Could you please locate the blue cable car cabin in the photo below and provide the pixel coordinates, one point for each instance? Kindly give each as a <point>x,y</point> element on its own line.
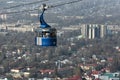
<point>45,35</point>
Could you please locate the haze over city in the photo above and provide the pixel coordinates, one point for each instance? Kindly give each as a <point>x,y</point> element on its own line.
<point>86,34</point>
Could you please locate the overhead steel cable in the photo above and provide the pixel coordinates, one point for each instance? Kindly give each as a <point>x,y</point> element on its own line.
<point>65,3</point>
<point>39,6</point>
<point>23,4</point>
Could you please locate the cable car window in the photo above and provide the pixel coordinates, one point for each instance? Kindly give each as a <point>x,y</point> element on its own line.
<point>45,34</point>
<point>53,33</point>
<point>38,34</point>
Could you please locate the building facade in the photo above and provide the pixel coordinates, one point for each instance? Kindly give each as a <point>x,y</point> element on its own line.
<point>92,31</point>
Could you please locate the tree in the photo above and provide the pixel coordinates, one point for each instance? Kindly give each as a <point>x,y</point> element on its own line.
<point>115,64</point>
<point>79,71</point>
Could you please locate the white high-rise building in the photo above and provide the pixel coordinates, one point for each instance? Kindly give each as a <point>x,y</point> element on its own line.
<point>92,31</point>
<point>103,31</point>
<point>84,30</point>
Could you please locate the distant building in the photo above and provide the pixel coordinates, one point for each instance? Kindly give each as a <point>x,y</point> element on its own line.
<point>103,30</point>
<point>85,31</point>
<point>92,31</point>
<point>110,76</point>
<point>21,29</point>
<point>113,29</point>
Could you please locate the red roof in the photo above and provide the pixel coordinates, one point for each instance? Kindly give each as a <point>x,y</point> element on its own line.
<point>110,59</point>
<point>87,64</point>
<point>46,71</point>
<point>95,72</point>
<point>75,78</point>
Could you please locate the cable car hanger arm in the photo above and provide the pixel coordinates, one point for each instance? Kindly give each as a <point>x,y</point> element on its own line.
<point>42,21</point>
